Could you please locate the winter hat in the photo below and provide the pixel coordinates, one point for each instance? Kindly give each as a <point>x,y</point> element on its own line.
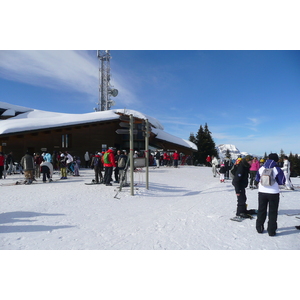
<point>274,156</point>
<point>62,155</point>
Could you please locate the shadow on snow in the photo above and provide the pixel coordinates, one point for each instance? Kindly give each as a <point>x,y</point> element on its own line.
<point>23,216</point>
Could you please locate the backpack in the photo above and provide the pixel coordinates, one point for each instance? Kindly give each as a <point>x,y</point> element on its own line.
<point>267,177</point>
<point>96,161</point>
<point>233,170</point>
<point>121,162</point>
<point>106,158</point>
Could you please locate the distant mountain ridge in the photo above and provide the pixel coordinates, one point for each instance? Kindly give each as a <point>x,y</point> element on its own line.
<point>233,150</point>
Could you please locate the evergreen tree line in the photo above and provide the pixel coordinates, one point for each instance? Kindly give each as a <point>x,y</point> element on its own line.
<point>206,146</point>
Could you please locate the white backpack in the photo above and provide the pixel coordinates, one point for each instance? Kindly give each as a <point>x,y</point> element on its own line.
<point>267,177</point>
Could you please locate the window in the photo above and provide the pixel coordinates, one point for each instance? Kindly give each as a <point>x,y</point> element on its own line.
<point>66,140</point>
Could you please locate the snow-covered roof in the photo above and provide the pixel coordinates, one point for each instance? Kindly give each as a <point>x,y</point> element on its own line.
<point>10,110</point>
<point>162,135</point>
<point>32,119</point>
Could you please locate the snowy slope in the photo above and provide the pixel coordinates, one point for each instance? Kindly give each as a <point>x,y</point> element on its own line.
<point>185,208</point>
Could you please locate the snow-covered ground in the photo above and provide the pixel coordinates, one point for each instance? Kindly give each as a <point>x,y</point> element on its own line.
<point>185,208</point>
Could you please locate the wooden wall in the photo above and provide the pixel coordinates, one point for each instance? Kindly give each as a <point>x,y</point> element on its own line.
<point>82,138</point>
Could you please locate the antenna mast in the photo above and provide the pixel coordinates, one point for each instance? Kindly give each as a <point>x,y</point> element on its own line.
<point>105,89</point>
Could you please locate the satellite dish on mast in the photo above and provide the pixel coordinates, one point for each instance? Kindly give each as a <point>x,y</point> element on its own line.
<point>114,92</point>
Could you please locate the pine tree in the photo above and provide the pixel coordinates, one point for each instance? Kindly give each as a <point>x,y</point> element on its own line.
<point>206,145</point>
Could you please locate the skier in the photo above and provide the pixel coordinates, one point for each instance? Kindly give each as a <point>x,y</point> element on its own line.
<point>2,160</point>
<point>109,163</point>
<point>63,166</point>
<point>253,169</point>
<point>175,159</point>
<point>97,165</point>
<point>269,195</point>
<point>214,164</point>
<point>122,168</point>
<point>46,170</point>
<point>287,172</point>
<point>208,160</point>
<point>234,168</point>
<point>27,163</point>
<point>10,163</point>
<point>76,165</point>
<point>240,182</point>
<point>87,159</point>
<point>222,172</point>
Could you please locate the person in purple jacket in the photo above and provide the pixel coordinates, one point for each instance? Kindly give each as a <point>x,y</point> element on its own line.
<point>269,196</point>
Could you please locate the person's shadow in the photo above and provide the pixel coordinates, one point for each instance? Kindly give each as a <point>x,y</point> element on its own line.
<point>24,216</point>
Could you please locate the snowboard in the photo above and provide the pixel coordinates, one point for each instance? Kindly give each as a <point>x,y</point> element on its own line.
<point>248,215</point>
<point>240,219</point>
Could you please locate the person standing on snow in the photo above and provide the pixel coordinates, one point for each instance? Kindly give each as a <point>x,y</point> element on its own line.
<point>27,163</point>
<point>234,168</point>
<point>97,165</point>
<point>63,166</point>
<point>222,172</point>
<point>109,163</point>
<point>214,164</point>
<point>240,182</point>
<point>253,169</point>
<point>227,163</point>
<point>87,159</point>
<point>10,163</point>
<point>269,196</point>
<point>157,159</point>
<point>2,160</point>
<point>175,159</point>
<point>208,160</point>
<point>287,172</point>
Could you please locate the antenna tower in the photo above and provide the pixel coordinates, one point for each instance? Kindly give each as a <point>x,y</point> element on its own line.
<point>105,88</point>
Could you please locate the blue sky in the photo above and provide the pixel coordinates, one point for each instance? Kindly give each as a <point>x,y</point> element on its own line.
<point>248,98</point>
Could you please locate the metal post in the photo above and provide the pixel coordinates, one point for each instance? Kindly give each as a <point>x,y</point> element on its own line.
<point>131,155</point>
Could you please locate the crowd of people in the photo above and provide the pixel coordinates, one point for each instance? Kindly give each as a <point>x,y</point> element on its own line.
<point>106,164</point>
<point>244,172</point>
<point>266,176</point>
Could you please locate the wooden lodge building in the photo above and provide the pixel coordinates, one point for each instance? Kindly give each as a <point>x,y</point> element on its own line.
<point>23,129</point>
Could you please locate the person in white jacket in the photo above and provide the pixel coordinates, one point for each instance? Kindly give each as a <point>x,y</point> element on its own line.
<point>214,164</point>
<point>287,172</point>
<point>46,170</point>
<point>87,159</point>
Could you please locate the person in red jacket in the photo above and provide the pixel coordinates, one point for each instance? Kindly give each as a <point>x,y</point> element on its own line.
<point>108,163</point>
<point>175,158</point>
<point>208,160</point>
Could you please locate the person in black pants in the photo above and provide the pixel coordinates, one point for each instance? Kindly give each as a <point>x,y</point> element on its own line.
<point>240,182</point>
<point>268,195</point>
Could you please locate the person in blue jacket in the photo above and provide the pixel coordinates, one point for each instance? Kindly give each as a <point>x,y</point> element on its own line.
<point>269,196</point>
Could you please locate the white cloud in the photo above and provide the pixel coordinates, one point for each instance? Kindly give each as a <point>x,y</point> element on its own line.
<point>62,70</point>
